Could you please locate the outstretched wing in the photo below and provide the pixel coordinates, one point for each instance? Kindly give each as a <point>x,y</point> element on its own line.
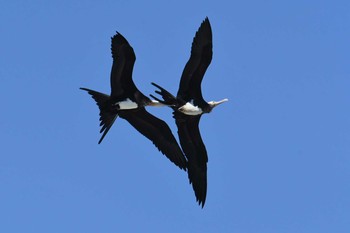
<point>123,64</point>
<point>201,55</point>
<point>195,152</point>
<point>158,132</point>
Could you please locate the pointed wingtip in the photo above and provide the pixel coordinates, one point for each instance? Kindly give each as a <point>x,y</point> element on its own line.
<point>206,21</point>
<point>117,34</point>
<point>198,181</point>
<point>119,38</point>
<point>201,200</point>
<point>203,39</point>
<point>201,203</point>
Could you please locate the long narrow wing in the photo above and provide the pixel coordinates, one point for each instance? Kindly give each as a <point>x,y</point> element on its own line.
<point>123,64</point>
<point>158,132</point>
<point>195,152</point>
<point>201,55</point>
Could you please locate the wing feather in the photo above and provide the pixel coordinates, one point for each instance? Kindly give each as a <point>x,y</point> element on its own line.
<point>193,73</point>
<point>123,63</point>
<point>158,132</point>
<point>195,152</point>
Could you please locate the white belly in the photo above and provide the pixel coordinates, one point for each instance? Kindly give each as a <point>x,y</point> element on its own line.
<point>127,104</point>
<point>190,109</point>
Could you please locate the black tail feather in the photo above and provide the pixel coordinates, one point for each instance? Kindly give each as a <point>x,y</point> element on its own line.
<point>168,98</point>
<point>159,100</point>
<point>107,118</point>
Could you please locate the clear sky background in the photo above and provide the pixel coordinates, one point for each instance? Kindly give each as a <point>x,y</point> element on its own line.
<point>279,150</point>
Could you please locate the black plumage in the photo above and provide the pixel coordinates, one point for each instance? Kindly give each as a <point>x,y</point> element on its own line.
<point>187,120</point>
<point>127,102</point>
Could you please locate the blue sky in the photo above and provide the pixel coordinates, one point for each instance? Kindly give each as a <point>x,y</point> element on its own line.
<point>279,150</point>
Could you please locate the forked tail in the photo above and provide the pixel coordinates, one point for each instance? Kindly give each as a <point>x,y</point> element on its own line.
<point>107,117</point>
<point>168,98</point>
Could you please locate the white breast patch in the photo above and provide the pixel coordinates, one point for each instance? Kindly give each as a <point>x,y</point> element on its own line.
<point>127,104</point>
<point>190,109</point>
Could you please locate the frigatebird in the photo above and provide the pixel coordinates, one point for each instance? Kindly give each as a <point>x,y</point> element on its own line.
<point>189,106</point>
<point>129,103</point>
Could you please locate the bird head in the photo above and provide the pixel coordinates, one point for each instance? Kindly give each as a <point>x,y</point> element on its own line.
<point>213,104</point>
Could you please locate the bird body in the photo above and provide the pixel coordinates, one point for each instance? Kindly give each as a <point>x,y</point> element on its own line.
<point>188,107</point>
<point>127,102</point>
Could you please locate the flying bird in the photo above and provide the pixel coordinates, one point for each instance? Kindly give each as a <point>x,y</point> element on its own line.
<point>127,102</point>
<point>189,106</point>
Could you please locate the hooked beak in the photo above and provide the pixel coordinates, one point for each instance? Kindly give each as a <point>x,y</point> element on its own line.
<point>214,103</point>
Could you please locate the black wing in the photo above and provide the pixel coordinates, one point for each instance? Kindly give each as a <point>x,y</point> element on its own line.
<point>123,64</point>
<point>158,132</point>
<point>195,152</point>
<point>201,55</point>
